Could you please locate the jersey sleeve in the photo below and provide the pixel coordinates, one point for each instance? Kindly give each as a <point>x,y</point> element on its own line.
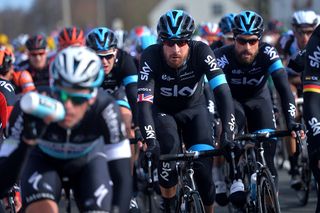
<point>218,83</point>
<point>146,95</point>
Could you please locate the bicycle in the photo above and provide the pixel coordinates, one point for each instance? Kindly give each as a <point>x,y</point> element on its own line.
<point>189,200</point>
<point>263,195</point>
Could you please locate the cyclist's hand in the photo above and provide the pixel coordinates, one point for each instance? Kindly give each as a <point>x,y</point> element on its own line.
<point>297,127</point>
<point>153,151</point>
<point>229,145</point>
<point>33,127</point>
<point>138,136</point>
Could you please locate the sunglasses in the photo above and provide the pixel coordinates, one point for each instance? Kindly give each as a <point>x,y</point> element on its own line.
<point>76,98</point>
<point>171,43</point>
<point>34,54</point>
<point>230,38</point>
<point>107,56</point>
<point>243,41</point>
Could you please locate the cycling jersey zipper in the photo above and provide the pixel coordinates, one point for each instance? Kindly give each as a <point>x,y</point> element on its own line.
<point>67,141</point>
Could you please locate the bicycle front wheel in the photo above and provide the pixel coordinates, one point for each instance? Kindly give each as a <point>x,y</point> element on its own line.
<point>266,193</point>
<point>195,204</point>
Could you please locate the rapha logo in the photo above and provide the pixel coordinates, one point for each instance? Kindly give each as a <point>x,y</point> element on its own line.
<point>315,58</point>
<point>271,52</point>
<point>222,61</point>
<point>315,125</point>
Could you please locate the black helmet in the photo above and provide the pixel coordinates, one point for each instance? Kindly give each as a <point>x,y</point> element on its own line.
<point>101,39</point>
<point>248,23</point>
<point>176,25</point>
<point>226,23</point>
<point>37,42</point>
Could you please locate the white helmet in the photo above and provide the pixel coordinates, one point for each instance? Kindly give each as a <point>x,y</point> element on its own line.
<point>76,67</point>
<point>304,18</point>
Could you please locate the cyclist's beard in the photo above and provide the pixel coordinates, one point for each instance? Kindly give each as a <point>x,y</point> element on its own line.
<point>246,57</point>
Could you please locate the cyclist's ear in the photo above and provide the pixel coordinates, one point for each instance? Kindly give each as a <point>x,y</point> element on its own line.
<point>92,100</point>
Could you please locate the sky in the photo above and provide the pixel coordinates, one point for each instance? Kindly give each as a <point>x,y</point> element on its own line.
<point>15,4</point>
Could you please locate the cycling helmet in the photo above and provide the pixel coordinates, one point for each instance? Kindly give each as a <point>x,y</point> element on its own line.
<point>208,29</point>
<point>121,36</point>
<point>101,39</point>
<point>6,60</point>
<point>176,25</point>
<point>226,23</point>
<point>248,23</point>
<point>76,67</point>
<point>304,18</point>
<point>36,42</point>
<point>70,36</point>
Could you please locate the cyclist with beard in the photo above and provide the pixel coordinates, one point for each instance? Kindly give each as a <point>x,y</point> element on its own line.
<point>247,65</point>
<point>170,98</point>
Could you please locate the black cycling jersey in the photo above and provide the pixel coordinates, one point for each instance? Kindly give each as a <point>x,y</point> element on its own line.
<point>311,98</point>
<point>174,90</point>
<point>40,77</point>
<point>247,81</point>
<point>123,73</point>
<point>75,150</point>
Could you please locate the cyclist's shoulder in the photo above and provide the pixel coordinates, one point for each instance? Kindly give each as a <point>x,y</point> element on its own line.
<point>103,100</point>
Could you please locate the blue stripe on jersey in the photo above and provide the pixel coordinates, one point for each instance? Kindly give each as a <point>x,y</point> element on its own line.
<point>62,155</point>
<point>217,81</point>
<point>130,79</point>
<point>123,103</point>
<point>275,66</point>
<point>205,79</point>
<point>201,147</point>
<point>264,130</point>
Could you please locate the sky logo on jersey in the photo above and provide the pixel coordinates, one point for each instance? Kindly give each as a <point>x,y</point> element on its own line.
<point>150,132</point>
<point>211,61</point>
<point>144,73</point>
<point>145,97</point>
<point>271,52</point>
<point>246,81</point>
<point>222,61</point>
<point>292,110</point>
<point>315,125</point>
<point>315,59</point>
<point>175,91</point>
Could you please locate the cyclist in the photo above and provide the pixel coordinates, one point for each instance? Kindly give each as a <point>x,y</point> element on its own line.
<point>71,36</point>
<point>37,64</point>
<point>170,97</point>
<point>303,24</point>
<point>209,32</point>
<point>74,147</point>
<point>226,35</point>
<point>311,99</point>
<point>247,65</point>
<point>6,87</point>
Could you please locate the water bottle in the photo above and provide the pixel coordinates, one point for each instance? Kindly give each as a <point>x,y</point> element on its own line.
<point>253,186</point>
<point>42,106</point>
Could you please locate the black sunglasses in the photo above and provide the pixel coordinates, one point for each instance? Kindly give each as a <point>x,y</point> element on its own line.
<point>243,41</point>
<point>171,43</point>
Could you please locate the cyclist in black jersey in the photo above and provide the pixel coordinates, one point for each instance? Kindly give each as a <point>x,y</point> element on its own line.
<point>77,147</point>
<point>37,63</point>
<point>247,65</point>
<point>170,99</point>
<point>120,73</point>
<point>311,98</point>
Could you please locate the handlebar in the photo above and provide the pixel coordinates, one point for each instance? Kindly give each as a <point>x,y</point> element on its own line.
<point>192,155</point>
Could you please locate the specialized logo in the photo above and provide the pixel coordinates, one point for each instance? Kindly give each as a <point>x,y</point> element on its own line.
<point>100,194</point>
<point>150,132</point>
<point>34,180</point>
<point>247,81</point>
<point>315,125</point>
<point>165,169</point>
<point>211,61</point>
<point>292,110</point>
<point>7,86</point>
<point>144,73</point>
<point>222,61</point>
<point>271,52</point>
<point>315,58</point>
<point>175,91</point>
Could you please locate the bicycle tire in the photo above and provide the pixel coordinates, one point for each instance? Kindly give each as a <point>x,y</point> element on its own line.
<point>195,204</point>
<point>266,193</point>
<point>305,173</point>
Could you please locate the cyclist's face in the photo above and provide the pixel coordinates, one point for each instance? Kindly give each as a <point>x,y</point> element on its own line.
<point>38,58</point>
<point>75,111</point>
<point>303,35</point>
<point>108,59</point>
<point>228,38</point>
<point>175,53</point>
<point>246,48</point>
